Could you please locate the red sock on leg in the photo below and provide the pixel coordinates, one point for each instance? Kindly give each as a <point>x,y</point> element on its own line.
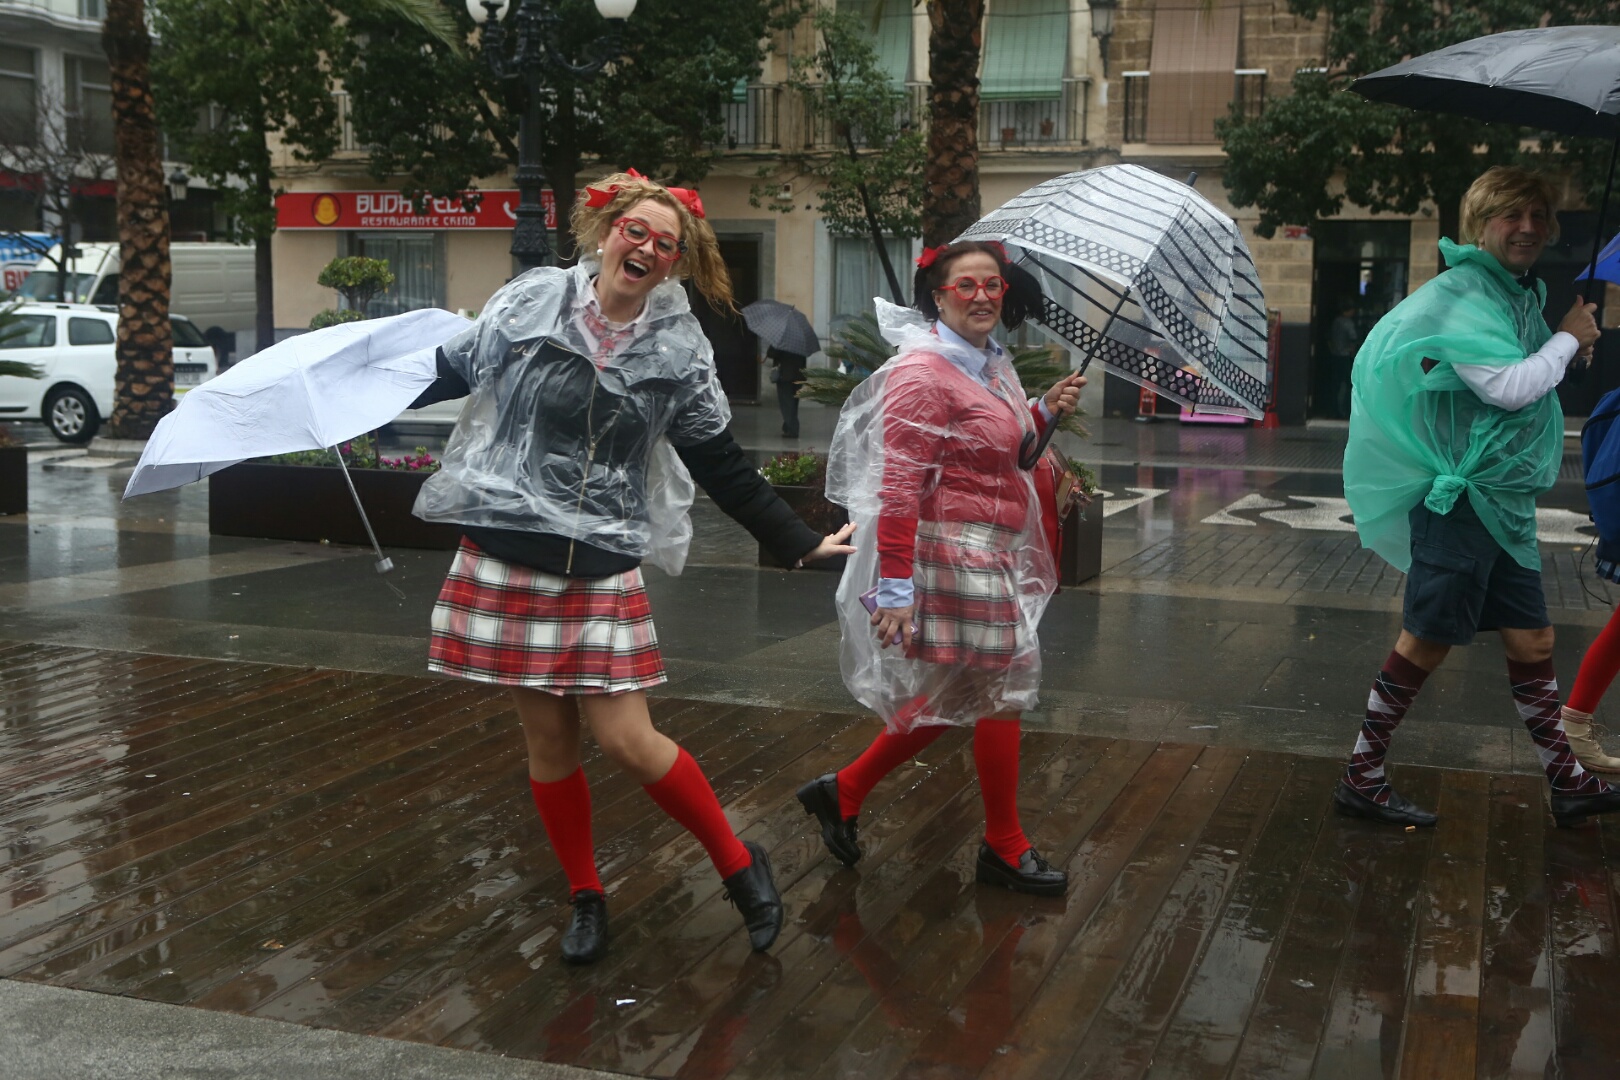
<point>565,811</point>
<point>1598,668</point>
<point>857,779</point>
<point>685,795</point>
<point>995,752</point>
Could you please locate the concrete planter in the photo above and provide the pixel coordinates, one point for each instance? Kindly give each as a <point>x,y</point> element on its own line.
<point>308,502</point>
<point>13,479</point>
<point>811,504</point>
<point>1081,558</point>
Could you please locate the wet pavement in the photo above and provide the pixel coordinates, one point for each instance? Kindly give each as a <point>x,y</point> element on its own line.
<point>1195,702</point>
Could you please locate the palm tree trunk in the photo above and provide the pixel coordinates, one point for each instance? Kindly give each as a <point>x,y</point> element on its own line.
<point>951,174</point>
<point>144,384</point>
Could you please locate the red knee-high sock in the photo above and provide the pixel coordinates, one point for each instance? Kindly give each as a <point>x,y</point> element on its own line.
<point>1598,668</point>
<point>995,752</point>
<point>857,779</point>
<point>565,810</point>
<point>685,795</point>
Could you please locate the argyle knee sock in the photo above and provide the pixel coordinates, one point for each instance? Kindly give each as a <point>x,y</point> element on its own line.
<point>565,811</point>
<point>857,779</point>
<point>1392,692</point>
<point>1535,692</point>
<point>685,795</point>
<point>995,753</point>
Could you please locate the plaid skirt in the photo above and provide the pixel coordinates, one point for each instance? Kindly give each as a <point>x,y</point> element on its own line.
<point>967,595</point>
<point>497,622</point>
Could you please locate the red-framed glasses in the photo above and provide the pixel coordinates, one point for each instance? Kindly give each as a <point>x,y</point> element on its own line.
<point>638,232</point>
<point>968,288</point>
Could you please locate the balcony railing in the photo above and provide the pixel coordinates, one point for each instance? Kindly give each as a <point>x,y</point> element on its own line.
<point>1248,100</point>
<point>1041,123</point>
<point>755,123</point>
<point>821,134</point>
<point>347,143</point>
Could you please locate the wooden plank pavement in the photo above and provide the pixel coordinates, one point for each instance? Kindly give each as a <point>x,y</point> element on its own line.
<point>358,852</point>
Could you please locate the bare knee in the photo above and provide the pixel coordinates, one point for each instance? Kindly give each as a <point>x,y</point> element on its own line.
<point>1528,646</point>
<point>623,729</point>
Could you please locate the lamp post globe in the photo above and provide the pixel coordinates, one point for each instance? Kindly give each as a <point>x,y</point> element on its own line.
<point>535,52</point>
<point>1102,27</point>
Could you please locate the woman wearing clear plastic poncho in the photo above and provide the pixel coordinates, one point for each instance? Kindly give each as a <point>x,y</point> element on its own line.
<point>951,534</point>
<point>1454,430</point>
<point>561,474</point>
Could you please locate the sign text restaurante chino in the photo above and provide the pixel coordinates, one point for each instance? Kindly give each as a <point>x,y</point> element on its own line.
<point>391,210</point>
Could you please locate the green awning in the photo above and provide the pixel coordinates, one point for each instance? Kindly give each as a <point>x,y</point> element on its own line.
<point>893,41</point>
<point>1026,43</point>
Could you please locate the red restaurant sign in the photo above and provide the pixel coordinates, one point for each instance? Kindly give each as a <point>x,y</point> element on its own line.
<point>391,210</point>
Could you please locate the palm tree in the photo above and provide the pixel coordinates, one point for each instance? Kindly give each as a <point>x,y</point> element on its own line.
<point>951,173</point>
<point>144,384</point>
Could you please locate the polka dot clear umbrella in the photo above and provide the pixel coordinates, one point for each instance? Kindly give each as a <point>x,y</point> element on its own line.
<point>1145,276</point>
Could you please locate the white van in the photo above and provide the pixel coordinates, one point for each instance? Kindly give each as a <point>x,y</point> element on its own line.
<point>211,283</point>
<point>73,348</point>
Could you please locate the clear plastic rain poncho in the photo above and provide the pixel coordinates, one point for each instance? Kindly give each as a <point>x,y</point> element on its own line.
<point>549,443</point>
<point>1419,436</point>
<point>921,439</point>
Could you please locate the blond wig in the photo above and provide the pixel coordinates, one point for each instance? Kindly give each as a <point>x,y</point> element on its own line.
<point>701,262</point>
<point>1506,189</point>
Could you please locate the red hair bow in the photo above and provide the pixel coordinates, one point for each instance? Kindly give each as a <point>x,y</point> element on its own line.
<point>596,197</point>
<point>926,259</point>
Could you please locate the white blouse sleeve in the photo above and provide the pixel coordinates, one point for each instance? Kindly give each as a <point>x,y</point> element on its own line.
<point>1513,386</point>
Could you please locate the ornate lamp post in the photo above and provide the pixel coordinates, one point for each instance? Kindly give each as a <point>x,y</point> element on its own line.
<point>535,50</point>
<point>1102,27</point>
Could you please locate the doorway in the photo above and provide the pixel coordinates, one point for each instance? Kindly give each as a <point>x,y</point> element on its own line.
<point>736,349</point>
<point>1360,273</point>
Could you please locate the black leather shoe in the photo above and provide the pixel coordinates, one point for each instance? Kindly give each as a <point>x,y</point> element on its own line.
<point>1033,874</point>
<point>820,800</point>
<point>586,939</point>
<point>753,890</point>
<point>1398,811</point>
<point>1570,810</point>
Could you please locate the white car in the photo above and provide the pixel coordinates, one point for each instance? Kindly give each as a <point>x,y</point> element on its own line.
<point>73,347</point>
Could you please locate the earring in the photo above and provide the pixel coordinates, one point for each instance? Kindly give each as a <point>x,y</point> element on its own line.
<point>599,251</point>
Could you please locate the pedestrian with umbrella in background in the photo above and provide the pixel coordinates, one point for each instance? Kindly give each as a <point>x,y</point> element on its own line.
<point>1566,80</point>
<point>789,339</point>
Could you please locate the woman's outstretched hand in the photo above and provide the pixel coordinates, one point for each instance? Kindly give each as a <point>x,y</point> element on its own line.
<point>833,544</point>
<point>895,621</point>
<point>1064,397</point>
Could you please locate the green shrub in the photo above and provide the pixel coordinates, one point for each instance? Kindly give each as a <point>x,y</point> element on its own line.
<point>357,278</point>
<point>795,469</point>
<point>360,453</point>
<point>333,316</point>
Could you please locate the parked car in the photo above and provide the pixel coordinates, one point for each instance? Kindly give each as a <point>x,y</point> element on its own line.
<point>74,348</point>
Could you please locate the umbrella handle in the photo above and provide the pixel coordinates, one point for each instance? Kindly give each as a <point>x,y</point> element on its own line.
<point>384,563</point>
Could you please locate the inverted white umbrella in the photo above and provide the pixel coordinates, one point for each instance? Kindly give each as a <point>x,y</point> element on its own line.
<point>310,392</point>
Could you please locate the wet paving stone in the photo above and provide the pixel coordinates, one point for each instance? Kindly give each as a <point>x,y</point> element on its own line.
<point>358,852</point>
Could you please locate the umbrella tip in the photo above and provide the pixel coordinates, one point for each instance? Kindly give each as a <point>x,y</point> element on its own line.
<point>385,565</point>
<point>1192,177</point>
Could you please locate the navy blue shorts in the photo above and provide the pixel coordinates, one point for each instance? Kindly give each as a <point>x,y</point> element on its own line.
<point>1462,582</point>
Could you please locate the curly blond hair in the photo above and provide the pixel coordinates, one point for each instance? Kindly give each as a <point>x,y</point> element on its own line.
<point>702,262</point>
<point>1506,189</point>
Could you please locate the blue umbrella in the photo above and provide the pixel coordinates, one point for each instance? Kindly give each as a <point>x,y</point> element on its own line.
<point>1608,264</point>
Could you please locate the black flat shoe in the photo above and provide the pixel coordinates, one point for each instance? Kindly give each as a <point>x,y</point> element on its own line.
<point>1570,810</point>
<point>753,890</point>
<point>820,800</point>
<point>586,939</point>
<point>1033,874</point>
<point>1398,811</point>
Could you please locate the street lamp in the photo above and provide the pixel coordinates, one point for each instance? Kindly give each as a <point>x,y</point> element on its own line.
<point>178,182</point>
<point>535,51</point>
<point>1102,27</point>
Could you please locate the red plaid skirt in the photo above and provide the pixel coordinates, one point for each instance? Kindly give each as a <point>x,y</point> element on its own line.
<point>967,600</point>
<point>496,622</point>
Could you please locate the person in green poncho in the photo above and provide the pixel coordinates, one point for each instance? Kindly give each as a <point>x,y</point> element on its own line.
<point>1454,430</point>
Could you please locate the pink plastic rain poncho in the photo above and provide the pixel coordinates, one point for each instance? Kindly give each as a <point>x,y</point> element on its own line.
<point>922,441</point>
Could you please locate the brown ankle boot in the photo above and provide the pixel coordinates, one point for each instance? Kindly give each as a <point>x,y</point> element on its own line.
<point>1583,740</point>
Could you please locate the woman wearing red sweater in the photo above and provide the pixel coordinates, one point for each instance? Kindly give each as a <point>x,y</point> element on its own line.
<point>949,526</point>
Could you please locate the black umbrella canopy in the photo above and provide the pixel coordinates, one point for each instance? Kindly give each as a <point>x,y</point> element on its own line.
<point>1557,78</point>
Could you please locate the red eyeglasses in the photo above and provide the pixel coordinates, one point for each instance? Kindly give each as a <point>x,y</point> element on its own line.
<point>968,288</point>
<point>666,247</point>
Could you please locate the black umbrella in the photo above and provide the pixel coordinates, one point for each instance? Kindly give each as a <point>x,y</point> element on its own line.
<point>1564,79</point>
<point>782,326</point>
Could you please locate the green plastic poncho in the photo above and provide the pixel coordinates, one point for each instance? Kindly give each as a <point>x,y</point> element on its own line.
<point>1426,437</point>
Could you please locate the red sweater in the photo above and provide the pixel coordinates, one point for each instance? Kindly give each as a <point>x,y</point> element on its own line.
<point>950,454</point>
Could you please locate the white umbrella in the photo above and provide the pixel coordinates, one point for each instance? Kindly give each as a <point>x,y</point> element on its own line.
<point>309,392</point>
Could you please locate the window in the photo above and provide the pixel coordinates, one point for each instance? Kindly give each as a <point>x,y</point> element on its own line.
<point>90,332</point>
<point>89,105</point>
<point>893,41</point>
<point>1195,51</point>
<point>858,275</point>
<point>186,334</point>
<point>1026,45</point>
<point>415,263</point>
<point>92,9</point>
<point>30,332</point>
<point>19,97</point>
<point>107,291</point>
